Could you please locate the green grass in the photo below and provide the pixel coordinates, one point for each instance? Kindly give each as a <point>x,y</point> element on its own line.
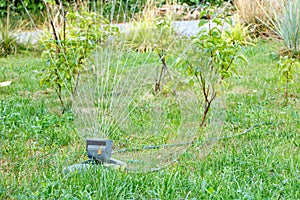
<point>37,143</point>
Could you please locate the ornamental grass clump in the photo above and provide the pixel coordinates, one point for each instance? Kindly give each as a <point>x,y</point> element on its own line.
<point>8,41</point>
<point>252,12</point>
<point>286,24</point>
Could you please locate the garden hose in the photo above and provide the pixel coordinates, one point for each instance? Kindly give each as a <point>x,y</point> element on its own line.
<point>148,147</point>
<point>98,160</point>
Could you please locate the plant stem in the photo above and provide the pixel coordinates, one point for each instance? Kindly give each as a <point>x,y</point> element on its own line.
<point>158,81</point>
<point>8,15</point>
<point>286,87</point>
<point>58,92</point>
<point>164,68</point>
<point>227,68</point>
<point>76,86</point>
<point>206,109</point>
<point>208,98</point>
<point>53,27</point>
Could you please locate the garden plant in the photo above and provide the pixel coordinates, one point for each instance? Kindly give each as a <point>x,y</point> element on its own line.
<point>178,142</point>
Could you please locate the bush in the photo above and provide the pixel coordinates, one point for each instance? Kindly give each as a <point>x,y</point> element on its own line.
<point>67,50</point>
<point>211,59</point>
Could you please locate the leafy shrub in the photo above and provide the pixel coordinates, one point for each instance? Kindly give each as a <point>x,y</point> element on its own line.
<point>287,68</point>
<point>211,59</point>
<point>67,50</point>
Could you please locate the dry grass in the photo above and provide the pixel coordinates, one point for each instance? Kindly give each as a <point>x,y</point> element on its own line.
<point>255,11</point>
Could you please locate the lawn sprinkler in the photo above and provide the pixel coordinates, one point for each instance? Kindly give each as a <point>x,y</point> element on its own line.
<point>99,152</point>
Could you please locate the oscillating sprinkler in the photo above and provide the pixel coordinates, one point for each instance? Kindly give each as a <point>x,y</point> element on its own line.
<point>99,152</point>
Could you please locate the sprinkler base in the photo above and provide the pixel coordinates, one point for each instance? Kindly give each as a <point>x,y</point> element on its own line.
<point>92,164</point>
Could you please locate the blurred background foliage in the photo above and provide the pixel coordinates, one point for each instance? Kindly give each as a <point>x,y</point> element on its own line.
<point>120,7</point>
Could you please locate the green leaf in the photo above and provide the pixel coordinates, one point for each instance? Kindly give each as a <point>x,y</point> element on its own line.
<point>243,58</point>
<point>210,190</point>
<point>218,21</point>
<point>202,22</point>
<point>202,13</point>
<point>228,20</point>
<point>297,64</point>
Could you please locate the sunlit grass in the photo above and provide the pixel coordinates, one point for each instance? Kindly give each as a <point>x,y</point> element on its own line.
<point>37,143</point>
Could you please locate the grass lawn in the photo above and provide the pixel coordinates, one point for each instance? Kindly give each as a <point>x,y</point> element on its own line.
<point>37,142</point>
